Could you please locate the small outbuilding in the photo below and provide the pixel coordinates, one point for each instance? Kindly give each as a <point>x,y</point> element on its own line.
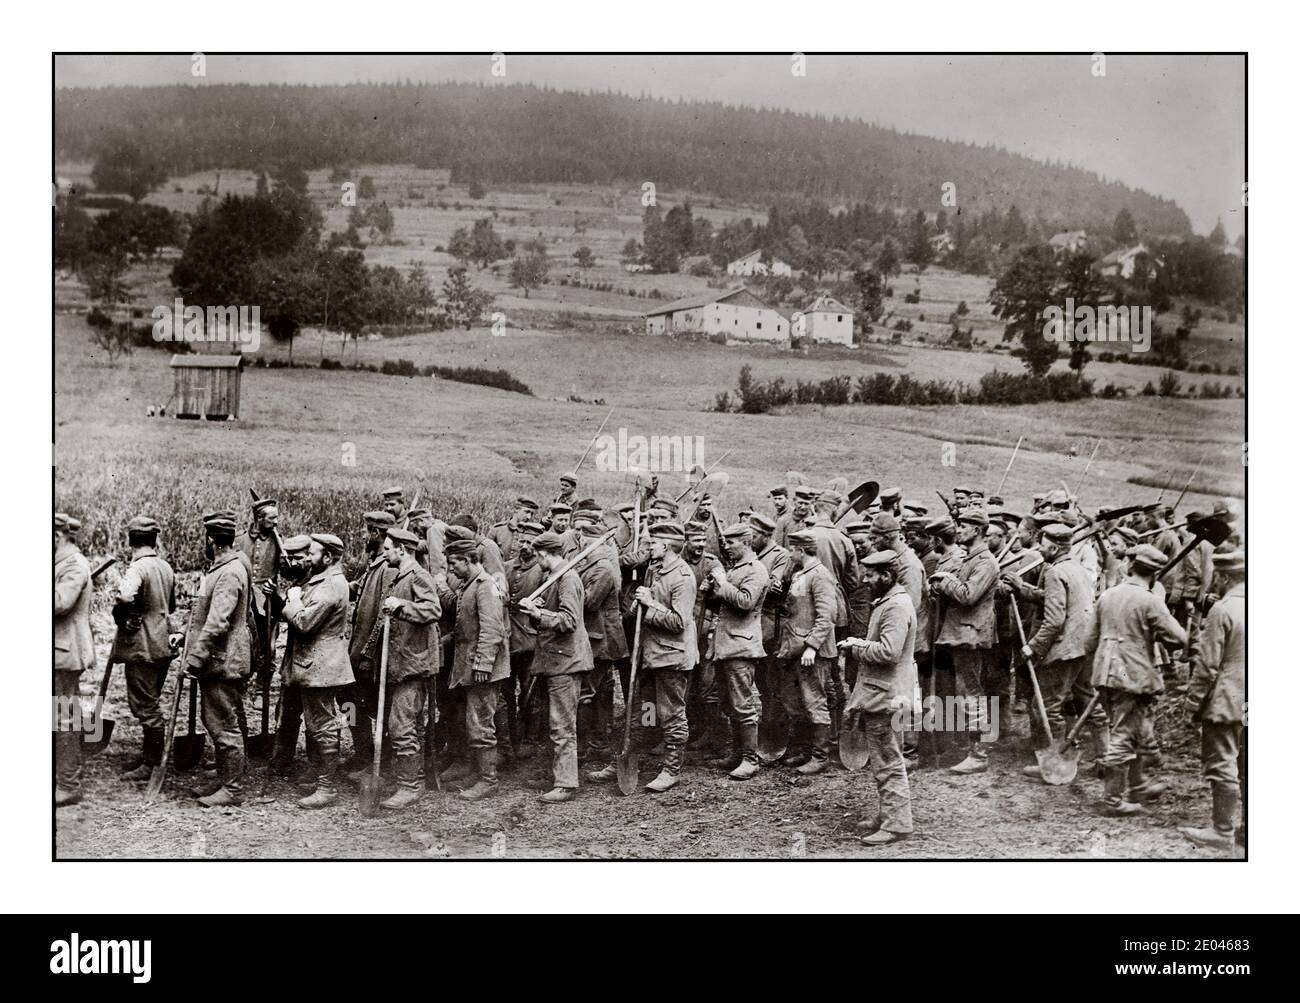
<point>206,386</point>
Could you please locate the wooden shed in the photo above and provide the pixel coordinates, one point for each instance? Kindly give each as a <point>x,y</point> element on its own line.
<point>206,386</point>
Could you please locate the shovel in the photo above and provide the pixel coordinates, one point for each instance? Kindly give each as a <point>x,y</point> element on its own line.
<point>628,766</point>
<point>189,747</point>
<point>368,797</point>
<point>263,745</point>
<point>1033,678</point>
<point>1060,763</point>
<point>773,726</point>
<point>159,774</point>
<point>860,499</point>
<point>91,746</point>
<point>854,752</point>
<point>1210,528</point>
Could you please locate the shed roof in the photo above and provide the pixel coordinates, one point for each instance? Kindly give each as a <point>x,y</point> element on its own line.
<point>197,361</point>
<point>702,299</point>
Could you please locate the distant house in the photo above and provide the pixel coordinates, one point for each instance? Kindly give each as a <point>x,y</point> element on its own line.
<point>942,244</point>
<point>1121,262</point>
<point>752,264</point>
<point>637,266</point>
<point>826,320</point>
<point>1069,241</point>
<point>737,313</point>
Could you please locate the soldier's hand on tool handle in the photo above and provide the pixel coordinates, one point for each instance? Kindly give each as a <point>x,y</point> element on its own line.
<point>808,657</point>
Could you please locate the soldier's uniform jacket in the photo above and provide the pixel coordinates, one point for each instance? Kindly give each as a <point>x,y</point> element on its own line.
<point>522,580</point>
<point>263,561</point>
<point>219,642</point>
<point>632,559</point>
<point>1167,542</point>
<point>414,645</point>
<point>1132,619</point>
<point>912,576</point>
<point>1216,690</point>
<point>738,632</point>
<point>601,616</point>
<point>481,642</point>
<point>860,602</point>
<point>703,617</point>
<point>149,586</point>
<point>809,620</point>
<point>775,559</point>
<point>1193,577</point>
<point>930,562</point>
<point>372,589</point>
<point>562,645</point>
<point>74,646</point>
<point>786,525</point>
<point>887,665</point>
<point>317,651</point>
<point>835,551</point>
<point>430,551</point>
<point>489,555</point>
<point>503,535</point>
<point>668,631</point>
<point>1069,622</point>
<point>968,613</point>
<point>1085,555</point>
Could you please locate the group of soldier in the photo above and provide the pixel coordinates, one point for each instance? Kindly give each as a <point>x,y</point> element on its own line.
<point>830,612</point>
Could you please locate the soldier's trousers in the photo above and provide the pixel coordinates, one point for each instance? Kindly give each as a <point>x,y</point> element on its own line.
<point>144,686</point>
<point>363,694</point>
<point>67,731</point>
<point>480,711</point>
<point>597,689</point>
<point>1223,752</point>
<point>1061,681</point>
<point>803,690</point>
<point>739,689</point>
<point>320,715</point>
<point>406,701</point>
<point>286,732</point>
<point>511,717</point>
<point>222,699</point>
<point>886,757</point>
<point>970,667</point>
<point>562,694</point>
<point>670,711</point>
<point>1132,726</point>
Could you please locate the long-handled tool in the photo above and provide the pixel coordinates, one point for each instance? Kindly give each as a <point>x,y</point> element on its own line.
<point>932,628</point>
<point>851,735</point>
<point>159,774</point>
<point>95,737</point>
<point>1211,528</point>
<point>859,500</point>
<point>1060,764</point>
<point>774,725</point>
<point>1084,476</point>
<point>1033,679</point>
<point>583,458</point>
<point>707,471</point>
<point>1014,452</point>
<point>627,764</point>
<point>188,752</point>
<point>1190,477</point>
<point>368,798</point>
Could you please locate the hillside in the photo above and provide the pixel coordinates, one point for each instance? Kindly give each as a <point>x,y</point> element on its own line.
<point>525,134</point>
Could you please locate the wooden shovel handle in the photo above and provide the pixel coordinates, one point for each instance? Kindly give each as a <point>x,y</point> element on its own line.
<point>383,688</point>
<point>1029,664</point>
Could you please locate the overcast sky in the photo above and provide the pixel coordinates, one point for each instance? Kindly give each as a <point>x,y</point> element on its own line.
<point>1173,125</point>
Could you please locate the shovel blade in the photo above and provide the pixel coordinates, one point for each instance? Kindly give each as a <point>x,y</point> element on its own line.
<point>261,746</point>
<point>773,735</point>
<point>187,752</point>
<point>368,796</point>
<point>629,774</point>
<point>854,753</point>
<point>1059,766</point>
<point>91,747</point>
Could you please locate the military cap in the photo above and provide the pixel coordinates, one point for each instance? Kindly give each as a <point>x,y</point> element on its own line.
<point>417,514</point>
<point>569,479</point>
<point>588,525</point>
<point>299,544</point>
<point>975,493</point>
<point>763,522</point>
<point>890,494</point>
<point>393,492</point>
<point>805,493</point>
<point>379,519</point>
<point>880,558</point>
<point>588,504</point>
<point>548,541</point>
<point>455,532</point>
<point>1011,518</point>
<point>1146,556</point>
<point>219,522</point>
<point>973,517</point>
<point>668,531</point>
<point>744,514</point>
<point>142,524</point>
<point>559,508</point>
<point>996,500</point>
<point>460,548</point>
<point>962,490</point>
<point>403,536</point>
<point>697,529</point>
<point>858,527</point>
<point>1058,532</point>
<point>938,525</point>
<point>625,508</point>
<point>524,502</point>
<point>530,528</point>
<point>582,515</point>
<point>780,491</point>
<point>228,513</point>
<point>1195,516</point>
<point>1058,497</point>
<point>885,523</point>
<point>67,523</point>
<point>803,538</point>
<point>262,503</point>
<point>1232,560</point>
<point>916,523</point>
<point>738,531</point>
<point>665,505</point>
<point>874,507</point>
<point>329,542</point>
<point>915,509</point>
<point>1128,534</point>
<point>1039,498</point>
<point>831,497</point>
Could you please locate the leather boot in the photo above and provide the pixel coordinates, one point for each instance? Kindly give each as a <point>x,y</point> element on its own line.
<point>1116,803</point>
<point>605,775</point>
<point>730,757</point>
<point>486,784</point>
<point>326,793</point>
<point>1100,743</point>
<point>67,752</point>
<point>459,772</point>
<point>748,767</point>
<point>798,751</point>
<point>150,755</point>
<point>586,730</point>
<point>1141,789</point>
<point>407,771</point>
<point>821,751</point>
<point>1220,835</point>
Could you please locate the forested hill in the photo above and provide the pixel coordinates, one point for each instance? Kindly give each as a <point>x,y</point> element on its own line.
<point>529,134</point>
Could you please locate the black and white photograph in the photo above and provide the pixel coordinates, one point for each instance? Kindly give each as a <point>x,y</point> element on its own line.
<point>614,456</point>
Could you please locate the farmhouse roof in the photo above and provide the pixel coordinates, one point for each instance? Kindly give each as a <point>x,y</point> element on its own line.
<point>746,257</point>
<point>827,304</point>
<point>197,361</point>
<point>1067,237</point>
<point>691,302</point>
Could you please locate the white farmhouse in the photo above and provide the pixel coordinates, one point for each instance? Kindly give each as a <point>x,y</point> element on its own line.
<point>1069,241</point>
<point>752,264</point>
<point>826,320</point>
<point>737,313</point>
<point>1121,262</point>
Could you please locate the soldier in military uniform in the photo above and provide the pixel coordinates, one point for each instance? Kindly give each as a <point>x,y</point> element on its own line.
<point>703,704</point>
<point>968,628</point>
<point>294,570</point>
<point>604,624</point>
<point>489,555</point>
<point>558,519</point>
<point>394,504</point>
<point>414,656</point>
<point>317,656</point>
<point>562,654</point>
<point>1216,698</point>
<point>74,653</point>
<point>219,654</point>
<point>886,679</point>
<point>669,649</point>
<point>505,534</point>
<point>737,645</point>
<point>369,592</point>
<point>797,518</point>
<point>259,545</point>
<point>806,650</point>
<point>780,496</point>
<point>514,722</point>
<point>1132,620</point>
<point>568,490</point>
<point>142,610</point>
